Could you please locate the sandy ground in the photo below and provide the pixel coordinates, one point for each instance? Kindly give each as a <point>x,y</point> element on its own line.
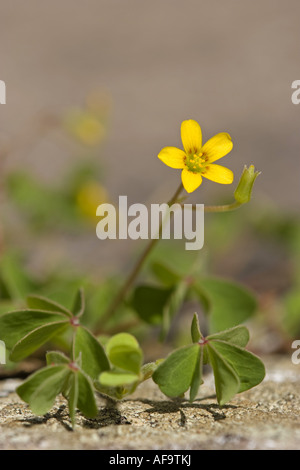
<point>266,417</point>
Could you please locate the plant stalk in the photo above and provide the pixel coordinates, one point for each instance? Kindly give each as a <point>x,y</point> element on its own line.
<point>225,208</point>
<point>137,267</point>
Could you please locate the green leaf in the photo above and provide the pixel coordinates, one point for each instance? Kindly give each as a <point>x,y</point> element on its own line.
<point>195,329</point>
<point>6,306</point>
<point>165,274</point>
<point>44,396</point>
<point>229,303</point>
<point>99,299</point>
<point>172,306</point>
<point>238,335</point>
<point>42,303</point>
<point>290,320</point>
<point>247,366</point>
<point>86,397</point>
<point>41,388</point>
<point>175,374</point>
<point>197,377</point>
<point>124,352</point>
<point>93,357</point>
<point>73,396</point>
<point>28,387</point>
<point>35,339</point>
<point>31,196</point>
<point>124,339</point>
<point>226,380</point>
<point>182,262</point>
<point>79,304</point>
<point>15,325</point>
<point>149,303</point>
<point>117,378</point>
<point>61,288</point>
<point>56,358</point>
<point>16,282</point>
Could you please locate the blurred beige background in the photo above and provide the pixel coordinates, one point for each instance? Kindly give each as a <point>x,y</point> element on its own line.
<point>228,64</point>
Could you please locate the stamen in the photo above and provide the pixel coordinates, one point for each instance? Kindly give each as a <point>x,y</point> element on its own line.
<point>195,163</point>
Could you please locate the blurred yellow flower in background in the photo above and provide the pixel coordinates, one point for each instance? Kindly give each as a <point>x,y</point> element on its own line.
<point>196,160</point>
<point>89,124</point>
<point>90,195</point>
<point>85,127</point>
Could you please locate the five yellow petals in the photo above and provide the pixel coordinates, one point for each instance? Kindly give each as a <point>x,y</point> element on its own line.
<point>196,160</point>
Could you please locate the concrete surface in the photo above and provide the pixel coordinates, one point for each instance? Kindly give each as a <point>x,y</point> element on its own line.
<point>266,417</point>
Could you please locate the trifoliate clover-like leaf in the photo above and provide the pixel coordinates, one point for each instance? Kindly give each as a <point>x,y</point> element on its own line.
<point>93,357</point>
<point>125,353</point>
<point>35,339</point>
<point>39,302</point>
<point>42,387</point>
<point>175,374</point>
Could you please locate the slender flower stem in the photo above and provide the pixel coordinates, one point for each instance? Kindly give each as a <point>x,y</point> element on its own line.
<point>225,208</point>
<point>137,267</point>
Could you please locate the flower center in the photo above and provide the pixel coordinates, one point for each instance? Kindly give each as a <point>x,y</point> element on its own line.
<point>195,163</point>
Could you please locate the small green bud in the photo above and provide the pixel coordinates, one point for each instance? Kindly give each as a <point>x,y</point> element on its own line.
<point>243,191</point>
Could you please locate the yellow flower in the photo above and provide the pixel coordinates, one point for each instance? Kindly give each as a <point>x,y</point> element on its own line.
<point>85,127</point>
<point>197,160</point>
<point>88,198</point>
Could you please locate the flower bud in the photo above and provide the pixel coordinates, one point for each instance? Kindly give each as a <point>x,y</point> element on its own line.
<point>243,191</point>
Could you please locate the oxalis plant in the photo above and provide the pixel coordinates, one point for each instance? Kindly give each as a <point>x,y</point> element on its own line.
<point>115,367</point>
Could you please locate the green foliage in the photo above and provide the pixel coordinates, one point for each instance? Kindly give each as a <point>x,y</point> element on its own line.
<point>35,339</point>
<point>14,282</point>
<point>72,377</point>
<point>93,358</point>
<point>197,376</point>
<point>195,329</point>
<point>119,369</point>
<point>79,303</point>
<point>56,358</point>
<point>126,358</point>
<point>226,380</point>
<point>16,325</point>
<point>235,369</point>
<point>239,336</point>
<point>41,388</point>
<point>117,378</point>
<point>174,375</point>
<point>165,274</point>
<point>90,369</point>
<point>227,303</point>
<point>124,352</point>
<point>249,368</point>
<point>149,302</point>
<point>41,303</point>
<point>158,305</point>
<point>30,196</point>
<point>291,316</point>
<point>86,401</point>
<point>88,348</point>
